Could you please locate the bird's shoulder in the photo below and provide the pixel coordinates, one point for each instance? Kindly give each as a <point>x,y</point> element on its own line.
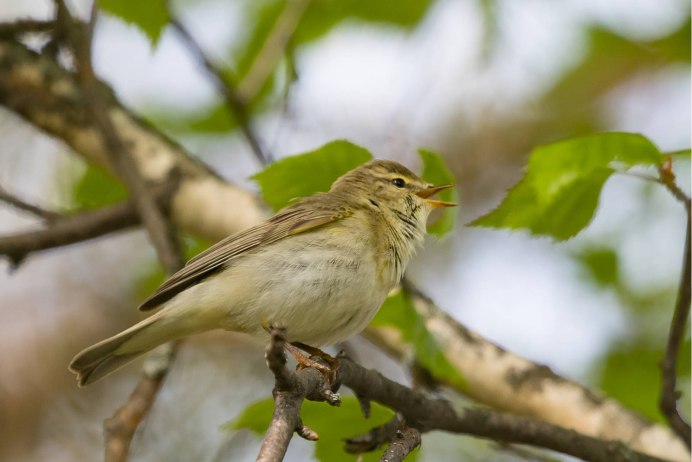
<point>305,215</point>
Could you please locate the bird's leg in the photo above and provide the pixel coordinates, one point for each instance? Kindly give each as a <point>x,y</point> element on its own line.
<point>329,371</point>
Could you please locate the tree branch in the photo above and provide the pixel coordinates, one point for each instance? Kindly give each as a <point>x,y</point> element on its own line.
<point>235,104</point>
<point>272,50</point>
<point>162,236</point>
<point>36,88</point>
<point>19,204</point>
<point>404,442</point>
<point>68,230</point>
<point>668,401</point>
<point>290,389</point>
<point>421,413</point>
<point>24,26</point>
<point>121,427</point>
<point>500,379</point>
<point>376,437</point>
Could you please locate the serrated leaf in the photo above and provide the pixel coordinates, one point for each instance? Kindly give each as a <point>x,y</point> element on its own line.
<point>332,424</point>
<point>435,172</point>
<point>97,188</point>
<point>559,193</point>
<point>309,173</point>
<point>149,16</point>
<point>398,312</point>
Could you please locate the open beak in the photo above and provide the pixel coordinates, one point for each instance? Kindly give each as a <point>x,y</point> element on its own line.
<point>426,193</point>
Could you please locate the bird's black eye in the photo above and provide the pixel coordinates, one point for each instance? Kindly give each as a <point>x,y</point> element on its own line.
<point>399,182</point>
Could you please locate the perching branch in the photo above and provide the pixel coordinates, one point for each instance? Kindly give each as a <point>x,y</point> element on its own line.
<point>420,413</point>
<point>235,104</point>
<point>290,389</point>
<point>668,401</point>
<point>505,381</point>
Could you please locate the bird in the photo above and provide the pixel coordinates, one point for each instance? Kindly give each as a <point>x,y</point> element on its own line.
<point>320,268</point>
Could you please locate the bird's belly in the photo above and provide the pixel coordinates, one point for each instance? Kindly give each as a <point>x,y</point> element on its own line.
<point>320,295</point>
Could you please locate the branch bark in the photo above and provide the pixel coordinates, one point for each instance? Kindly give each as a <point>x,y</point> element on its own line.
<point>68,230</point>
<point>514,384</point>
<point>421,413</point>
<point>668,402</point>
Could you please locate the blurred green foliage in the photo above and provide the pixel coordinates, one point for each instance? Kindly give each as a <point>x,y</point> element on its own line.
<point>97,188</point>
<point>559,192</point>
<point>333,425</point>
<point>150,16</point>
<point>610,58</point>
<point>399,312</point>
<point>630,373</point>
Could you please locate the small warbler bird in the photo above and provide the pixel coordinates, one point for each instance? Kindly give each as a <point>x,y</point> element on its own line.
<point>319,268</point>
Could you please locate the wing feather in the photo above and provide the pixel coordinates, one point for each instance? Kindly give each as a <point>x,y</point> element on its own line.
<point>304,216</point>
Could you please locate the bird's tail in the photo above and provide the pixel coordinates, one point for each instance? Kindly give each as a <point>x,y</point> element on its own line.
<point>110,354</point>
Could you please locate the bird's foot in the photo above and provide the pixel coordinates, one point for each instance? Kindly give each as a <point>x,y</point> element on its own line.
<point>328,369</point>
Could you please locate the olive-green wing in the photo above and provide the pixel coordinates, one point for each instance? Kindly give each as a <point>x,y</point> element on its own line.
<point>296,219</point>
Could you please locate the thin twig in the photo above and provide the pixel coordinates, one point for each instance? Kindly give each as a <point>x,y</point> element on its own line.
<point>121,427</point>
<point>24,26</point>
<point>233,101</point>
<point>376,437</point>
<point>668,401</point>
<point>11,199</point>
<point>404,442</point>
<point>272,50</point>
<point>68,230</point>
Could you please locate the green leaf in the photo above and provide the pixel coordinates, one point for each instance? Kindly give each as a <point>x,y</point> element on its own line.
<point>150,16</point>
<point>305,174</point>
<point>559,193</point>
<point>398,312</point>
<point>435,171</point>
<point>332,424</point>
<point>97,188</point>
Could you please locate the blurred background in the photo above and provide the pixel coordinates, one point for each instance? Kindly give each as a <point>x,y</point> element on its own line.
<point>480,81</point>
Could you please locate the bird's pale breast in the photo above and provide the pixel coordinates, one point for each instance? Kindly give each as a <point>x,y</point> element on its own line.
<point>322,287</point>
